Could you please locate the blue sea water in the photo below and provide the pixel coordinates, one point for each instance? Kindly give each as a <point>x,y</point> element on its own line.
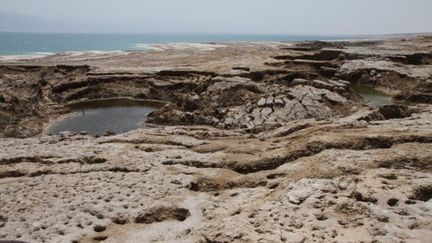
<point>31,43</point>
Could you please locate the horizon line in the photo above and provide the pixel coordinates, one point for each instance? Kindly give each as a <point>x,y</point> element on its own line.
<point>217,33</point>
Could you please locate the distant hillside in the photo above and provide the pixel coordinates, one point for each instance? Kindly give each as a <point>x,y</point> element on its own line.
<point>23,23</point>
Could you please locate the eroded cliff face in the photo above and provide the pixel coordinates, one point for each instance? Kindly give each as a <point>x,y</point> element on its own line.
<point>256,143</point>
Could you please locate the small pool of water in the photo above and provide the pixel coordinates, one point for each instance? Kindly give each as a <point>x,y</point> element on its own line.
<point>372,96</point>
<point>98,116</point>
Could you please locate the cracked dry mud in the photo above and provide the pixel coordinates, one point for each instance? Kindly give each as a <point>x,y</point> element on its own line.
<point>257,142</point>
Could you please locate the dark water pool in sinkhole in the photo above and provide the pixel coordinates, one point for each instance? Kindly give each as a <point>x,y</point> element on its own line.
<point>96,117</point>
<point>373,97</point>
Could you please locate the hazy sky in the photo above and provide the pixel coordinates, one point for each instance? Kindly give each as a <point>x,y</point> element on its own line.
<point>233,16</point>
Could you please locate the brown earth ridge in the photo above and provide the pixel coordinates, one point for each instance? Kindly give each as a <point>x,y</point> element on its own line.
<point>256,142</point>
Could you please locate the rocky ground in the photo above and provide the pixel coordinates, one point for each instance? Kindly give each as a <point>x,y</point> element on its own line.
<point>257,142</point>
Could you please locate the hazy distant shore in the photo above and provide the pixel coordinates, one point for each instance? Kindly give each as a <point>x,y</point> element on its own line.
<point>20,51</point>
<point>16,44</point>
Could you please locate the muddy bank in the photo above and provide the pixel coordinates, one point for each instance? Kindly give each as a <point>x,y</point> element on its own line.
<point>256,142</point>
